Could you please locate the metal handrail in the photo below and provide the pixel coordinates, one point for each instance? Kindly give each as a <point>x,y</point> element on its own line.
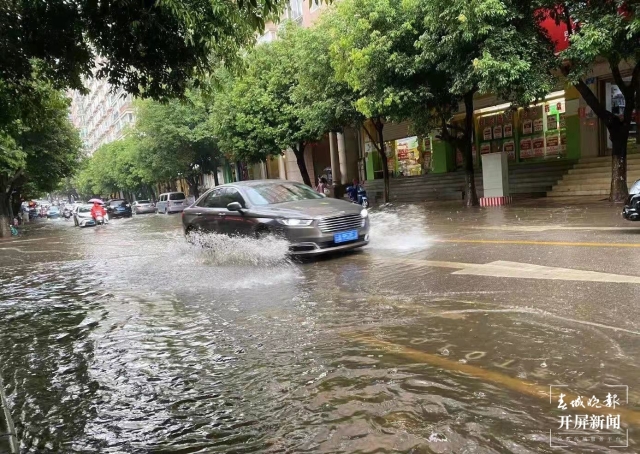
<point>8,436</point>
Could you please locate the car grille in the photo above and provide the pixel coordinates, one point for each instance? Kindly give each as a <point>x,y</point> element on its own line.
<point>340,223</point>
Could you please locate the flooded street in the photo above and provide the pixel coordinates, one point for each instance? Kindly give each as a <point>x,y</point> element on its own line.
<point>443,335</point>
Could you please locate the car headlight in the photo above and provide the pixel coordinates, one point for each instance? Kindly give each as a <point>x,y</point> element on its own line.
<point>295,222</point>
<point>364,213</point>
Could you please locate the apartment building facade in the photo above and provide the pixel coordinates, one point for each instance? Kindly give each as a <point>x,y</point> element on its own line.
<point>102,114</point>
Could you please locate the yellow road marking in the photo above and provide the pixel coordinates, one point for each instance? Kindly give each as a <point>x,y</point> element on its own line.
<point>522,386</point>
<point>540,243</point>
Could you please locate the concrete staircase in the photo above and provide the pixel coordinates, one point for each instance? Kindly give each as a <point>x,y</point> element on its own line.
<point>525,180</point>
<point>592,177</point>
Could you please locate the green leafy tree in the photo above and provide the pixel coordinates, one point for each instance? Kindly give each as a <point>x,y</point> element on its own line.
<point>263,112</point>
<point>116,166</point>
<point>480,46</point>
<point>609,30</point>
<point>176,140</point>
<point>38,144</point>
<point>422,59</point>
<point>152,48</point>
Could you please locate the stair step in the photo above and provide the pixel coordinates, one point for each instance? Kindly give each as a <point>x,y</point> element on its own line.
<point>578,193</point>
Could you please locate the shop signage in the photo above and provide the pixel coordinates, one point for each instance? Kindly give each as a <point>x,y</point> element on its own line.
<point>509,147</point>
<point>497,132</point>
<point>527,127</point>
<point>525,148</point>
<point>538,146</point>
<point>508,130</point>
<point>553,145</point>
<point>558,31</point>
<point>538,125</point>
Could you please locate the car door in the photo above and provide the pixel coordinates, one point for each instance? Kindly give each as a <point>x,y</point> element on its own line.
<point>207,212</point>
<point>234,222</point>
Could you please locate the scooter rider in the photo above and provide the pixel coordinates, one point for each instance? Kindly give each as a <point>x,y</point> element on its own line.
<point>98,210</point>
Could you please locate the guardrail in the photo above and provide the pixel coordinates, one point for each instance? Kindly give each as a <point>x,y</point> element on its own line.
<point>8,439</point>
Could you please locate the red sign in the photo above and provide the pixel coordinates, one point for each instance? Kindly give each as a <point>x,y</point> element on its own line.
<point>558,32</point>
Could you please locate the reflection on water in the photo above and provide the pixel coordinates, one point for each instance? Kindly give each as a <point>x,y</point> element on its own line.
<point>135,341</point>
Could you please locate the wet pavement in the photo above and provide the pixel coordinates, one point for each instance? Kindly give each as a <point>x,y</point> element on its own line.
<point>446,334</point>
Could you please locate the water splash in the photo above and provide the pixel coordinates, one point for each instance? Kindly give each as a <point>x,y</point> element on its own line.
<point>218,249</point>
<point>403,230</point>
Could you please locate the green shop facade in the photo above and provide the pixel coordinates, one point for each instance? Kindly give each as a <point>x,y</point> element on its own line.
<point>559,127</point>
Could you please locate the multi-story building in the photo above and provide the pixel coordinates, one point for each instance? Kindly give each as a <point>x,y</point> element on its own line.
<point>101,115</point>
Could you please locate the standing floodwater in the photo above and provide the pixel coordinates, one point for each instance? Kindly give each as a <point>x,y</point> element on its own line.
<point>128,339</point>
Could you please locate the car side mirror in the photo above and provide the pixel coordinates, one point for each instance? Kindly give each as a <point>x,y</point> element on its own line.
<point>234,206</point>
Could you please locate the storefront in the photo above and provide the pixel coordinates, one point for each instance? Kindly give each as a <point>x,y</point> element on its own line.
<point>407,155</point>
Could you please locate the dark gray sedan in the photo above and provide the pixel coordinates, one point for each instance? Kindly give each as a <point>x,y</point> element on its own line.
<point>312,223</point>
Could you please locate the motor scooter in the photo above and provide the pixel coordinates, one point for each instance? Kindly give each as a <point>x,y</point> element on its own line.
<point>358,195</point>
<point>100,220</point>
<point>362,197</point>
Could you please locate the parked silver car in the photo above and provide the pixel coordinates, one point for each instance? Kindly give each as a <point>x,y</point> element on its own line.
<point>313,223</point>
<point>143,206</point>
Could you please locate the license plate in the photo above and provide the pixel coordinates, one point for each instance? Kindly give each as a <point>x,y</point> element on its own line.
<point>342,237</point>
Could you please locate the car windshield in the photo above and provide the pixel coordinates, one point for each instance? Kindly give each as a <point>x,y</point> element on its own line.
<point>116,203</point>
<point>142,202</point>
<point>176,196</point>
<point>270,193</point>
<point>84,209</point>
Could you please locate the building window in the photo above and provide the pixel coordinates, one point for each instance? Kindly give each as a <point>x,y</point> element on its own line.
<point>295,9</point>
<point>269,36</point>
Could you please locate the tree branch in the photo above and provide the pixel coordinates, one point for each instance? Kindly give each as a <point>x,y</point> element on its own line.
<point>617,76</point>
<point>592,101</point>
<point>375,144</point>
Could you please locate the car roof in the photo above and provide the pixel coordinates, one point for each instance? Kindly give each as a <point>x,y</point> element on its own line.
<point>250,183</point>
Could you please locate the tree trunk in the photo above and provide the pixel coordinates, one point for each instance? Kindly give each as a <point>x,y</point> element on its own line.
<point>194,189</point>
<point>215,177</point>
<point>619,190</point>
<point>470,194</point>
<point>618,133</point>
<point>6,216</point>
<point>302,165</point>
<point>385,164</point>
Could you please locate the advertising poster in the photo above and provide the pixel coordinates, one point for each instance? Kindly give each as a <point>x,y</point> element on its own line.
<point>485,147</point>
<point>525,149</point>
<point>527,127</point>
<point>509,147</point>
<point>486,133</point>
<point>553,145</point>
<point>537,144</point>
<point>538,125</point>
<point>508,130</point>
<point>563,142</point>
<point>563,121</point>
<point>497,131</point>
<point>552,122</point>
